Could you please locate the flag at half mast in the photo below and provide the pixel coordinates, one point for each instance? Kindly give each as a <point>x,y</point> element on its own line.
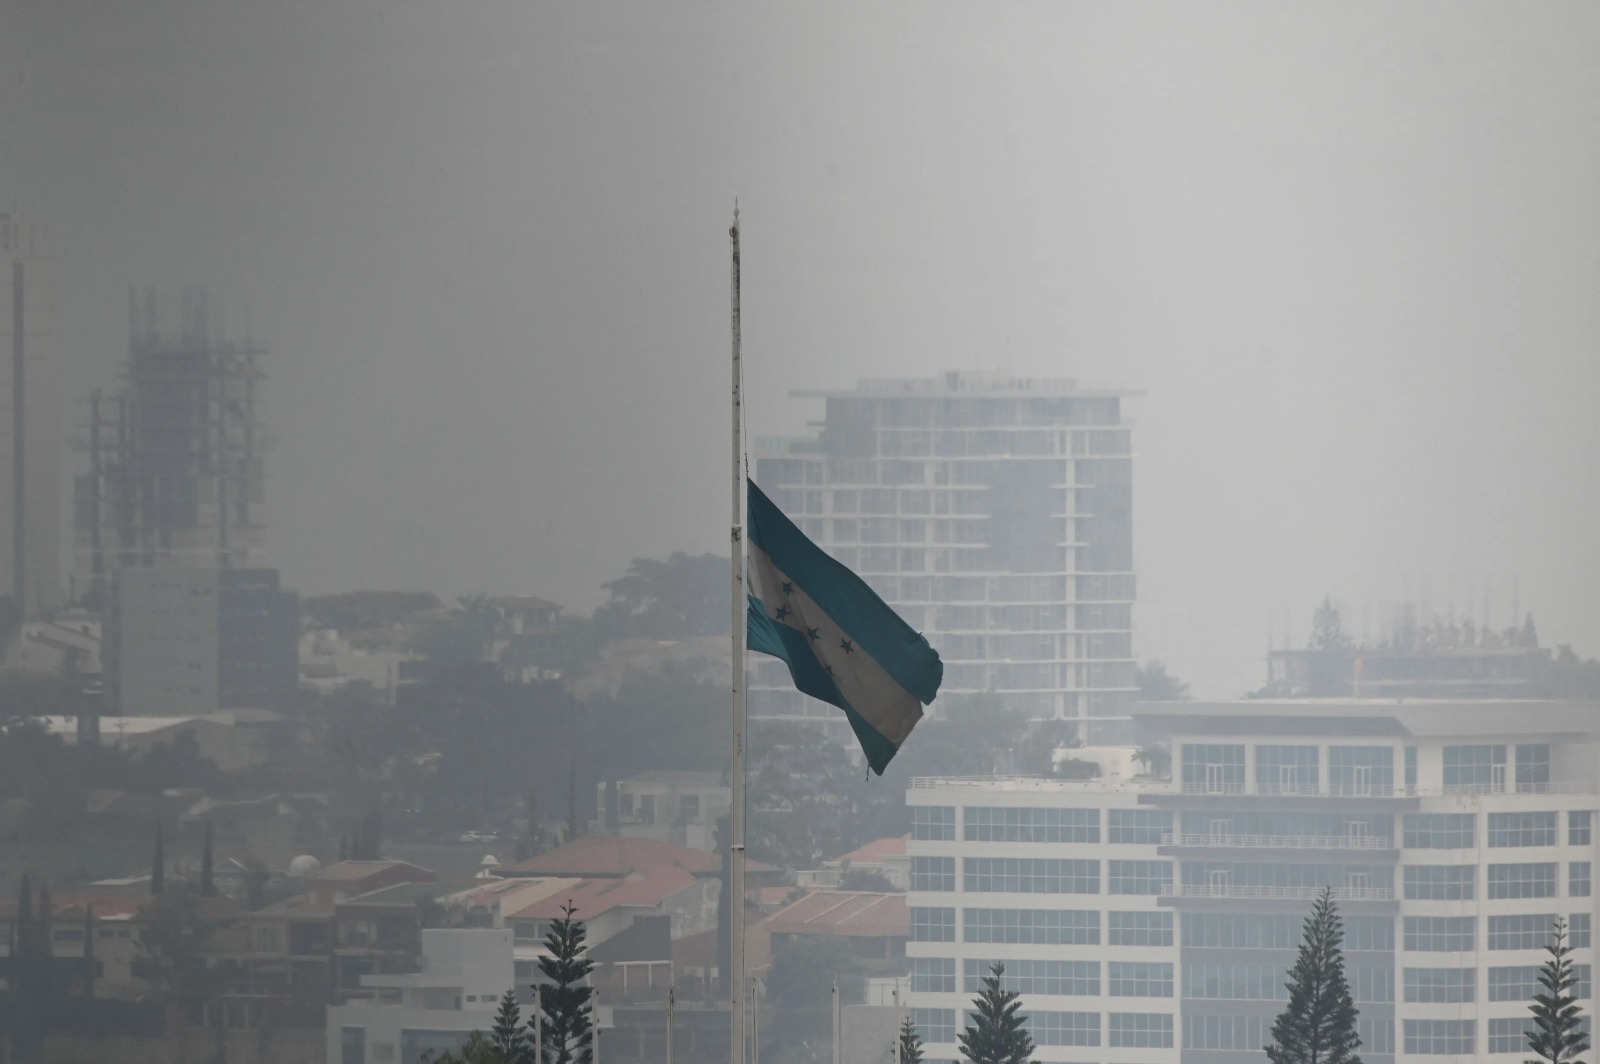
<point>843,644</point>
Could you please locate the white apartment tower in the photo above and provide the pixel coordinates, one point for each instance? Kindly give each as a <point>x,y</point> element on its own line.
<point>1154,920</point>
<point>995,514</point>
<point>30,421</point>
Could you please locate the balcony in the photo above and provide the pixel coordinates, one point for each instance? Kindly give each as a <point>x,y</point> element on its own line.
<point>1279,842</point>
<point>1262,893</point>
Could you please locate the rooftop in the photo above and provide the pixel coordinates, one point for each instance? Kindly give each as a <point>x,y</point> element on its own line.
<point>846,913</point>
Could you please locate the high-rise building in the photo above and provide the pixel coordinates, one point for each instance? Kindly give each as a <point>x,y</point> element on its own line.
<point>175,471</point>
<point>183,641</point>
<point>1153,919</point>
<point>995,514</point>
<point>30,422</point>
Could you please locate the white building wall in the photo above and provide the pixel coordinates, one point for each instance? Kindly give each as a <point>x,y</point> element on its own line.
<point>1534,838</point>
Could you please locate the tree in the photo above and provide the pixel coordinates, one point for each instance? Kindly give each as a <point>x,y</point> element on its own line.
<point>1319,1024</point>
<point>1156,684</point>
<point>1557,1036</point>
<point>565,998</point>
<point>681,596</point>
<point>910,1043</point>
<point>805,967</point>
<point>170,943</point>
<point>998,1033</point>
<point>507,1034</point>
<point>868,881</point>
<point>1332,656</point>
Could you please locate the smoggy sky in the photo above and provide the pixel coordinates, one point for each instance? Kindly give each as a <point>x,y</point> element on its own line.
<point>1350,252</point>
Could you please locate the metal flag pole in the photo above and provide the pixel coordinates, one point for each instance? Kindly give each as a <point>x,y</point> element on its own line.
<point>538,1024</point>
<point>755,1024</point>
<point>670,1003</point>
<point>838,1048</point>
<point>734,979</point>
<point>897,1022</point>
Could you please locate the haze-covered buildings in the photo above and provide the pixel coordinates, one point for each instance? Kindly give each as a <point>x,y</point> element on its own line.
<point>1150,920</point>
<point>996,515</point>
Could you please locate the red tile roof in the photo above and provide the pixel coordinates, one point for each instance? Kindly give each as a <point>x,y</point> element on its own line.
<point>591,897</point>
<point>875,851</point>
<point>839,912</point>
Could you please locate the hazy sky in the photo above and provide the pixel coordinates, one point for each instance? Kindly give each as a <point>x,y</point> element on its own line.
<point>1350,252</point>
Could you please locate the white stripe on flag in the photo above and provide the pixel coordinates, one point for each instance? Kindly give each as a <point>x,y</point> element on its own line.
<point>870,690</point>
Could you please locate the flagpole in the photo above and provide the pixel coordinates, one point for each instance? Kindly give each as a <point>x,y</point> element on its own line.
<point>735,979</point>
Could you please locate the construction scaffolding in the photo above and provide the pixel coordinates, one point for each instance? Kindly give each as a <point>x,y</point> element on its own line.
<point>175,471</point>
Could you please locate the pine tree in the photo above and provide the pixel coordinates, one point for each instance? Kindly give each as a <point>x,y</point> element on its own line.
<point>158,864</point>
<point>910,1043</point>
<point>997,1034</point>
<point>1319,1024</point>
<point>565,998</point>
<point>1557,1036</point>
<point>208,885</point>
<point>507,1034</point>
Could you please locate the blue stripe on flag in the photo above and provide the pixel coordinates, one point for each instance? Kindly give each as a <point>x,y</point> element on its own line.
<point>767,636</point>
<point>855,607</point>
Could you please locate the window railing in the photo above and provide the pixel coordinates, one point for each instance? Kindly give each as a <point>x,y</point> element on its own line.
<point>1231,890</point>
<point>1277,842</point>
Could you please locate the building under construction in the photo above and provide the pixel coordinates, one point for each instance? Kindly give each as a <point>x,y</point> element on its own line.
<point>174,457</point>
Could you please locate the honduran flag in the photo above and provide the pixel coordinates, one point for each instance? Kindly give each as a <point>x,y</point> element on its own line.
<point>843,644</point>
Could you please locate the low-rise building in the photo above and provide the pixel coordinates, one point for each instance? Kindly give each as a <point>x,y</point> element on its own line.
<point>679,808</point>
<point>464,972</point>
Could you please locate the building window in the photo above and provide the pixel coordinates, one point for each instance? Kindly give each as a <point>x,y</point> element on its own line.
<point>1522,829</point>
<point>1064,1028</point>
<point>933,823</point>
<point>1439,882</point>
<point>1286,769</point>
<point>935,1025</point>
<point>1452,1038</point>
<point>1440,934</point>
<point>1522,931</point>
<point>1449,986</point>
<point>1578,832</point>
<point>647,808</point>
<point>1035,927</point>
<point>933,925</point>
<point>1141,1030</point>
<point>934,975</point>
<point>1517,983</point>
<point>1474,769</point>
<point>1026,875</point>
<point>1233,982</point>
<point>1036,977</point>
<point>1579,930</point>
<point>688,808</point>
<point>1139,979</point>
<point>1411,768</point>
<point>1578,877</point>
<point>1510,1034</point>
<point>933,873</point>
<point>1139,877</point>
<point>1361,769</point>
<point>1533,767</point>
<point>1139,826</point>
<point>1213,768</point>
<point>1522,880</point>
<point>1440,831</point>
<point>1372,986</point>
<point>1245,1033</point>
<point>1368,933</point>
<point>982,824</point>
<point>1140,929</point>
<point>1377,1034</point>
